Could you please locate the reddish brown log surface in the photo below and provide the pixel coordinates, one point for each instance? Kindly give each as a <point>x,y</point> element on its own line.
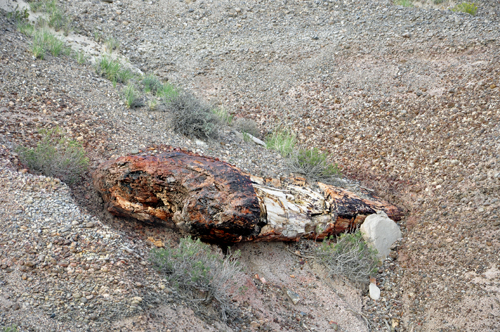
<point>198,195</point>
<point>213,200</point>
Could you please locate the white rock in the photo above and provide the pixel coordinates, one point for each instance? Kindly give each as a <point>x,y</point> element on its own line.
<point>380,232</point>
<point>374,292</point>
<point>256,140</point>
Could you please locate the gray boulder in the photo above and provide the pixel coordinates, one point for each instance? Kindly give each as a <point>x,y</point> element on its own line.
<point>380,232</point>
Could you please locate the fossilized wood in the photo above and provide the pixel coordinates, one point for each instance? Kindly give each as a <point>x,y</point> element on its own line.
<point>215,201</point>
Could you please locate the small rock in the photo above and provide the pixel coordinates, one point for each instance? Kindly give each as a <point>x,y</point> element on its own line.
<point>374,292</point>
<point>293,296</point>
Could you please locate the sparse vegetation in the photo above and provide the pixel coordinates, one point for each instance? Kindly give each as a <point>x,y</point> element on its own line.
<point>466,7</point>
<point>56,156</point>
<point>132,98</point>
<point>224,115</point>
<point>97,36</point>
<point>12,328</point>
<point>18,14</point>
<point>404,3</point>
<point>111,44</point>
<point>249,126</point>
<point>152,84</point>
<point>313,164</point>
<point>438,2</point>
<point>246,137</point>
<point>281,140</point>
<point>25,28</point>
<point>192,117</point>
<point>57,18</point>
<point>168,92</point>
<point>44,41</point>
<point>205,275</point>
<point>350,257</point>
<point>81,58</point>
<point>152,104</point>
<point>112,69</point>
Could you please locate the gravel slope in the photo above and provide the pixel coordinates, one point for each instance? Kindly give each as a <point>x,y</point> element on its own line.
<point>405,99</point>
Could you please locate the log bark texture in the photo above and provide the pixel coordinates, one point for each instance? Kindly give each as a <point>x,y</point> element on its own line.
<point>215,201</point>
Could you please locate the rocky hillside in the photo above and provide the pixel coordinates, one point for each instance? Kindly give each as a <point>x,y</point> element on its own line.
<point>405,99</point>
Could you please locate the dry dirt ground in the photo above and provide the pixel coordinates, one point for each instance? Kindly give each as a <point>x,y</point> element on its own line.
<point>406,100</point>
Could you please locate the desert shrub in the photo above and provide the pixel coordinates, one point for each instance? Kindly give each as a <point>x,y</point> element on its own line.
<point>248,126</point>
<point>223,115</point>
<point>132,97</point>
<point>192,117</point>
<point>466,7</point>
<point>204,275</point>
<point>437,2</point>
<point>404,3</point>
<point>56,156</point>
<point>112,69</point>
<point>152,84</point>
<point>313,164</point>
<point>350,257</point>
<point>281,140</point>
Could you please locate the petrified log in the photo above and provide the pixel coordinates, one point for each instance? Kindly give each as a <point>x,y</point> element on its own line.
<point>215,201</point>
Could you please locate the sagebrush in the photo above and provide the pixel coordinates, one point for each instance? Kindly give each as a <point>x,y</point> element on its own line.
<point>56,156</point>
<point>192,117</point>
<point>350,257</point>
<point>206,276</point>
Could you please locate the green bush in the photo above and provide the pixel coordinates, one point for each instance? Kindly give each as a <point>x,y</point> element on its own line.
<point>313,164</point>
<point>192,117</point>
<point>350,257</point>
<point>281,140</point>
<point>113,70</point>
<point>466,7</point>
<point>11,328</point>
<point>56,156</point>
<point>206,276</point>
